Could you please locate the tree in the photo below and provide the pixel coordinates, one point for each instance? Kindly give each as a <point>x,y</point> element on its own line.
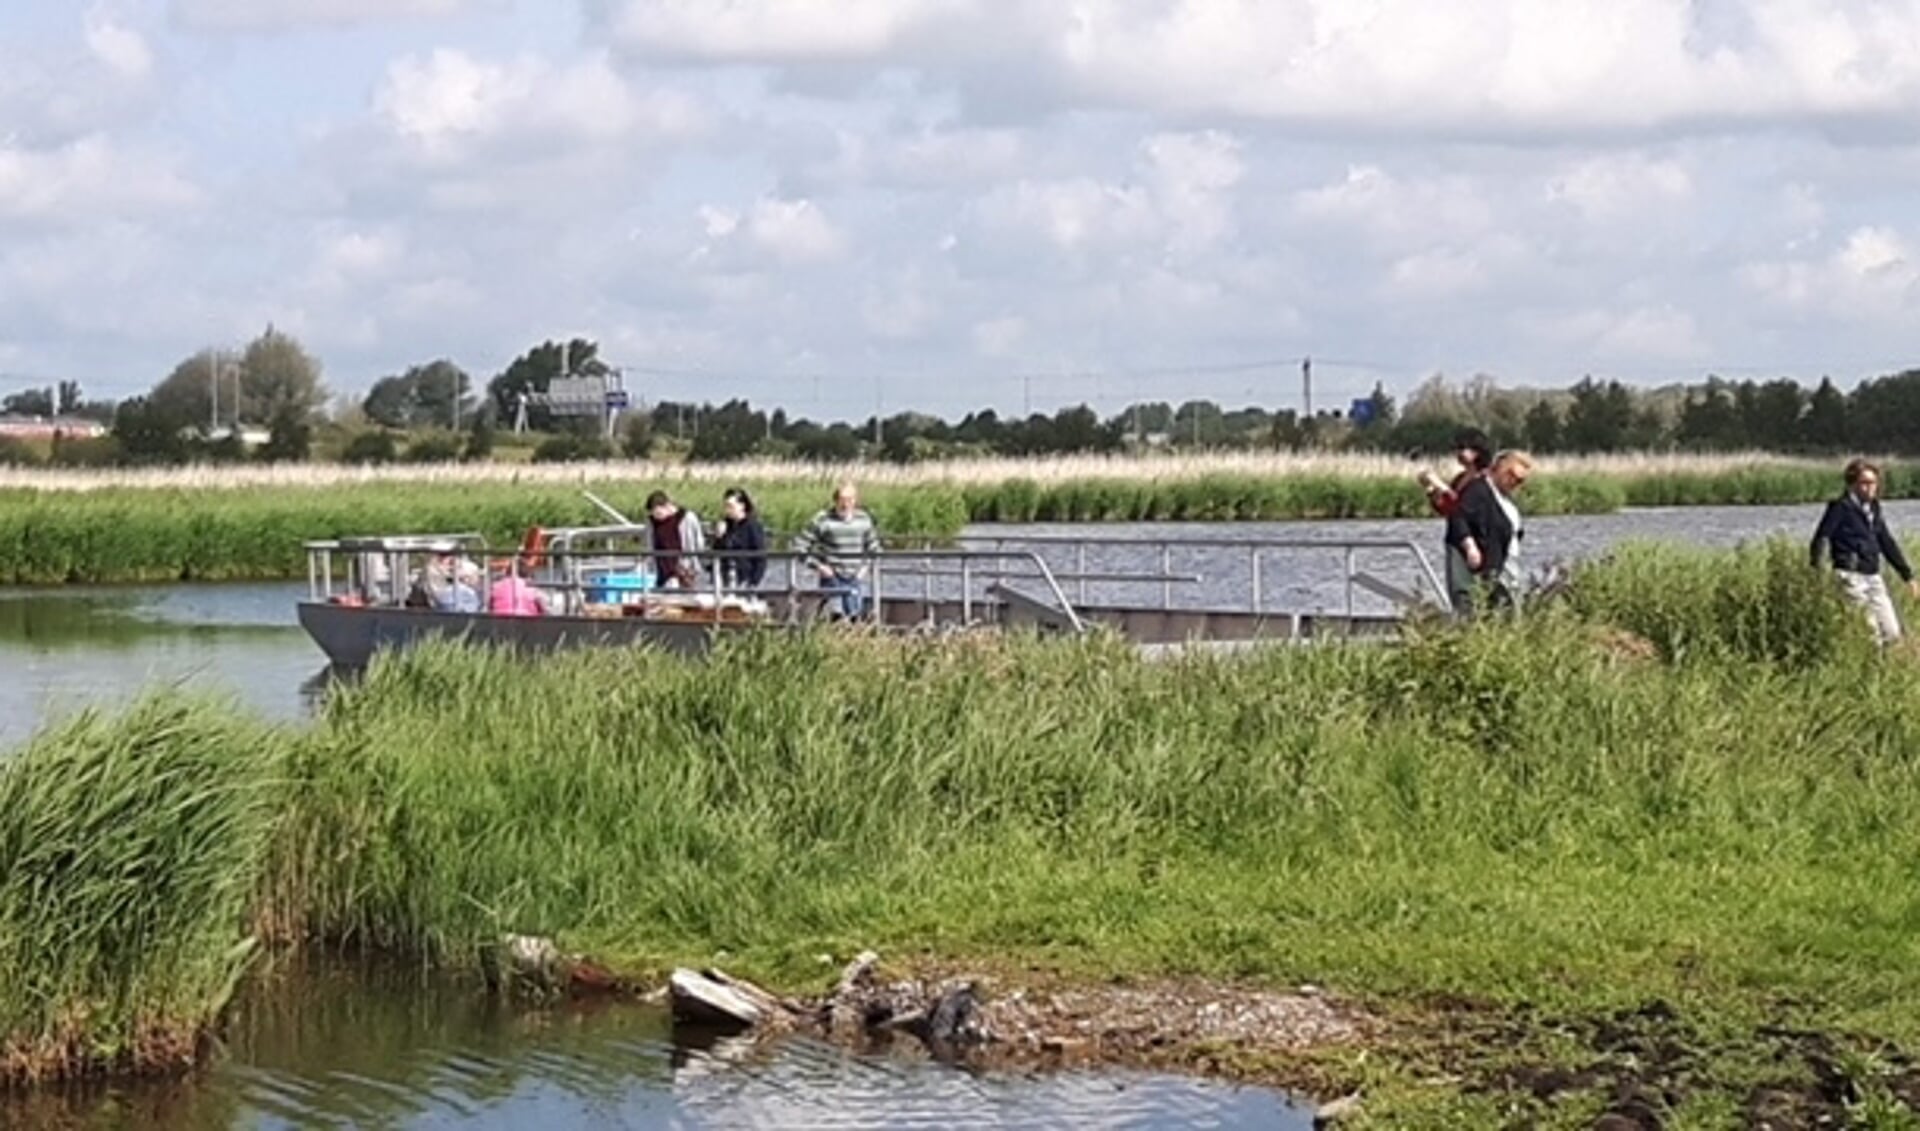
<point>150,431</point>
<point>1600,418</point>
<point>279,381</point>
<point>1709,420</point>
<point>535,371</point>
<point>434,395</point>
<point>479,436</point>
<point>186,394</point>
<point>68,399</point>
<point>1542,427</point>
<point>1824,427</point>
<point>289,433</point>
<point>1884,415</point>
<point>29,402</point>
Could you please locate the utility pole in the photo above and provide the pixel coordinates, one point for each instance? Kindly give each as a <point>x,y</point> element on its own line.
<point>879,403</point>
<point>213,383</point>
<point>1306,386</point>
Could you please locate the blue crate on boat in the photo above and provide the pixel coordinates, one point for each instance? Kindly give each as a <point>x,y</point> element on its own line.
<point>617,587</point>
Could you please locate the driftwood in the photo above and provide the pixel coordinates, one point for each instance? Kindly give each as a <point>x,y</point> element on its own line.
<point>946,1017</point>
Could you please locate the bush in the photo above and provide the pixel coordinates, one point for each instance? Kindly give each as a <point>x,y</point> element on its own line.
<point>1761,602</point>
<point>369,447</point>
<point>434,447</point>
<point>568,448</point>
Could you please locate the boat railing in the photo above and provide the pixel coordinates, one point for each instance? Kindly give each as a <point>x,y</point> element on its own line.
<point>573,574</point>
<point>974,581</point>
<point>1166,557</point>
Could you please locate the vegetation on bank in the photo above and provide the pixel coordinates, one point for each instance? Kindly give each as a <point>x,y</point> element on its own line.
<point>1536,812</point>
<point>204,526</point>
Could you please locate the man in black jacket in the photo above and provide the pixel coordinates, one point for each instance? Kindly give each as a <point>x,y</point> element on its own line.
<point>1855,533</point>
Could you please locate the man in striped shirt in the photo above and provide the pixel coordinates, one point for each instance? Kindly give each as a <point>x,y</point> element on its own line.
<point>839,543</point>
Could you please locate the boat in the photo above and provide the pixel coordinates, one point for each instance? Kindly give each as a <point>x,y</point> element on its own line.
<point>364,592</point>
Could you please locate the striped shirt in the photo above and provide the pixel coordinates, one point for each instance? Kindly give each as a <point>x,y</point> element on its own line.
<point>839,542</point>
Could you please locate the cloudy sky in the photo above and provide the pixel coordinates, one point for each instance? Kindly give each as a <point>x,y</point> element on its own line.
<point>937,204</point>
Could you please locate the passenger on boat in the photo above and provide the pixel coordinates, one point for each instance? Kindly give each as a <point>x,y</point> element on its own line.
<point>838,544</point>
<point>431,583</point>
<point>512,595</point>
<point>740,533</point>
<point>1486,529</point>
<point>463,596</point>
<point>675,540</point>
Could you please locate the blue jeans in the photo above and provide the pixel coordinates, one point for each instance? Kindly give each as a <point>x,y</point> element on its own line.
<point>846,595</point>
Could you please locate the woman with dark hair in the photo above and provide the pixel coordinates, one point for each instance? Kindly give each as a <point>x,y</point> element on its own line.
<point>1475,453</point>
<point>741,534</point>
<point>1473,450</point>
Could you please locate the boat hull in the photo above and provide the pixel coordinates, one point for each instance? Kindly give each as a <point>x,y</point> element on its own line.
<point>350,635</point>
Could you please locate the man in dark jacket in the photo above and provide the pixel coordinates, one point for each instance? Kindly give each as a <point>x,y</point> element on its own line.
<point>1855,534</point>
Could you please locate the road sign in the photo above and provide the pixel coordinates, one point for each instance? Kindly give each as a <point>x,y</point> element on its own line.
<point>617,398</point>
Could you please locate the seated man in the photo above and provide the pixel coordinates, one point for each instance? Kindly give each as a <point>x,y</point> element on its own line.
<point>838,544</point>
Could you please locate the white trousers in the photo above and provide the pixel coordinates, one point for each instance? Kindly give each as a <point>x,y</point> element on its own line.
<point>1869,591</point>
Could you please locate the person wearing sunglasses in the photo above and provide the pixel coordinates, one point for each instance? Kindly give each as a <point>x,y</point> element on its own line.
<point>1485,529</point>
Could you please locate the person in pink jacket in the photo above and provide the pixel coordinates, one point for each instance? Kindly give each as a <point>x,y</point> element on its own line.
<point>512,595</point>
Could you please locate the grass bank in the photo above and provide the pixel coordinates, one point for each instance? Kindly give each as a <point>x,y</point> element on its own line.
<point>248,523</point>
<point>1524,817</point>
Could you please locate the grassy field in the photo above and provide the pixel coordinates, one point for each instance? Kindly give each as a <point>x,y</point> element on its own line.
<point>248,522</point>
<point>1548,823</point>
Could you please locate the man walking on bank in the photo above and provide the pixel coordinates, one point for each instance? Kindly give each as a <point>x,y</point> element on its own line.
<point>1855,533</point>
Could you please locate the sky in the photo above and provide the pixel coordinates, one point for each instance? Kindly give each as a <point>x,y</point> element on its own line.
<point>848,205</point>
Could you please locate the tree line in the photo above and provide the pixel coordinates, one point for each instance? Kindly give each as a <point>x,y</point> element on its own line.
<point>266,401</point>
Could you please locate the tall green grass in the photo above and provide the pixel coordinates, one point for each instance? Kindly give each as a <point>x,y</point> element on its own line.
<point>120,534</point>
<point>129,845</point>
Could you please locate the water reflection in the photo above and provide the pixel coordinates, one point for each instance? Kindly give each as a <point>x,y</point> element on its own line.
<point>369,1045</point>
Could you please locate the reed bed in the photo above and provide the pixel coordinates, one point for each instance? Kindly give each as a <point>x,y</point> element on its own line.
<point>964,472</point>
<point>248,523</point>
<point>1517,812</point>
<point>131,845</point>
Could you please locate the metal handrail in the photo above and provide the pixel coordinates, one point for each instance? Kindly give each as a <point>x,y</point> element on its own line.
<point>320,557</point>
<point>1255,549</point>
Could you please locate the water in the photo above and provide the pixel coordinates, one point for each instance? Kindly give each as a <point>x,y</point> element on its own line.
<point>372,1046</point>
<point>64,648</point>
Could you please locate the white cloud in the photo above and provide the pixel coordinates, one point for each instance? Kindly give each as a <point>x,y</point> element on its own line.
<point>1873,277</point>
<point>87,180</point>
<point>793,231</point>
<point>1398,212</point>
<point>121,48</point>
<point>1492,68</point>
<point>776,30</point>
<point>285,15</point>
<point>1612,185</point>
<point>998,337</point>
<point>450,103</point>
